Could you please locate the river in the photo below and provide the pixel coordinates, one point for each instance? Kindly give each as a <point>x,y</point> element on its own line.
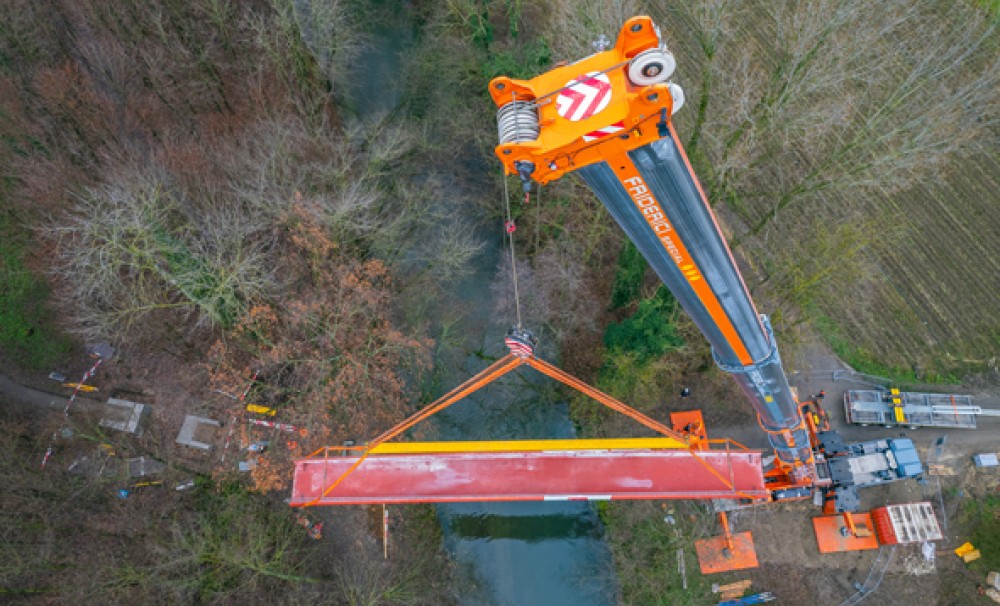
<point>504,553</point>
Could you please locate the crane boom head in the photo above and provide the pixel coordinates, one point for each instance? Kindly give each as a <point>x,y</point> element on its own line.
<point>558,121</point>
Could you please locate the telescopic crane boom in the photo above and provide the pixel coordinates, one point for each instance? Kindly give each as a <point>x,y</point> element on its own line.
<point>608,118</point>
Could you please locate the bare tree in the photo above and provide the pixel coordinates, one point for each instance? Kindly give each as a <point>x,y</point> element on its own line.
<point>574,26</point>
<point>326,30</point>
<point>359,179</point>
<point>535,306</point>
<point>328,353</point>
<point>565,279</point>
<point>448,250</point>
<point>803,269</point>
<point>796,100</point>
<point>135,247</point>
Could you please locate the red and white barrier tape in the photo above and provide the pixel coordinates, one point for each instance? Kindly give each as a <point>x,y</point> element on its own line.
<point>281,426</point>
<point>90,373</point>
<point>232,419</point>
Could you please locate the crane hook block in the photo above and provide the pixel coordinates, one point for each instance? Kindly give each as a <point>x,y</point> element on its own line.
<point>581,113</point>
<point>524,171</point>
<point>520,342</point>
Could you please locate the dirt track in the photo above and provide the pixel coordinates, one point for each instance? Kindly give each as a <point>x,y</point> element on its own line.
<point>15,393</point>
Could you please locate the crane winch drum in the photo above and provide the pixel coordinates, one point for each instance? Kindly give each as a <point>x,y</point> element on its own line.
<point>607,118</point>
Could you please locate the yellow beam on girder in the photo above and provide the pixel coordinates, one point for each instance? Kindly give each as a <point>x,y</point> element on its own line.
<point>388,448</point>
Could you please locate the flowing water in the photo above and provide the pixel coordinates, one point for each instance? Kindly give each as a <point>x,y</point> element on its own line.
<point>505,553</point>
<point>514,553</point>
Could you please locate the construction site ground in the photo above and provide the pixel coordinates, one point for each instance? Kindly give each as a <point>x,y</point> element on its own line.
<point>351,546</point>
<point>790,564</point>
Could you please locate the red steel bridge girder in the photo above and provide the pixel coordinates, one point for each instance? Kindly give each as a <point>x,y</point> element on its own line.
<point>529,476</point>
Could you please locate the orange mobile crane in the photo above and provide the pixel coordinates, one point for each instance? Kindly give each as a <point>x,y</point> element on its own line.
<point>608,118</point>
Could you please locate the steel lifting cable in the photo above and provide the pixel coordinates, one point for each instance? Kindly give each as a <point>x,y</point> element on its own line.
<point>484,377</point>
<point>571,381</point>
<point>509,227</point>
<point>537,100</point>
<point>492,373</point>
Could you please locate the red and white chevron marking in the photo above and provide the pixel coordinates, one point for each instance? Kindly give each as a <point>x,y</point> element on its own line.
<point>604,132</point>
<point>584,96</point>
<point>518,347</point>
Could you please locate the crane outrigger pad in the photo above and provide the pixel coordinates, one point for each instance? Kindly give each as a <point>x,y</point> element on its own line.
<point>717,554</point>
<point>549,470</point>
<point>833,535</point>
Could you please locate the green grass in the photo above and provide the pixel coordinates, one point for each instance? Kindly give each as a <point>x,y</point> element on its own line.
<point>628,278</point>
<point>26,331</point>
<point>633,345</point>
<point>645,552</point>
<point>650,332</point>
<point>519,62</point>
<point>199,282</point>
<point>863,361</point>
<point>990,5</point>
<point>984,519</point>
